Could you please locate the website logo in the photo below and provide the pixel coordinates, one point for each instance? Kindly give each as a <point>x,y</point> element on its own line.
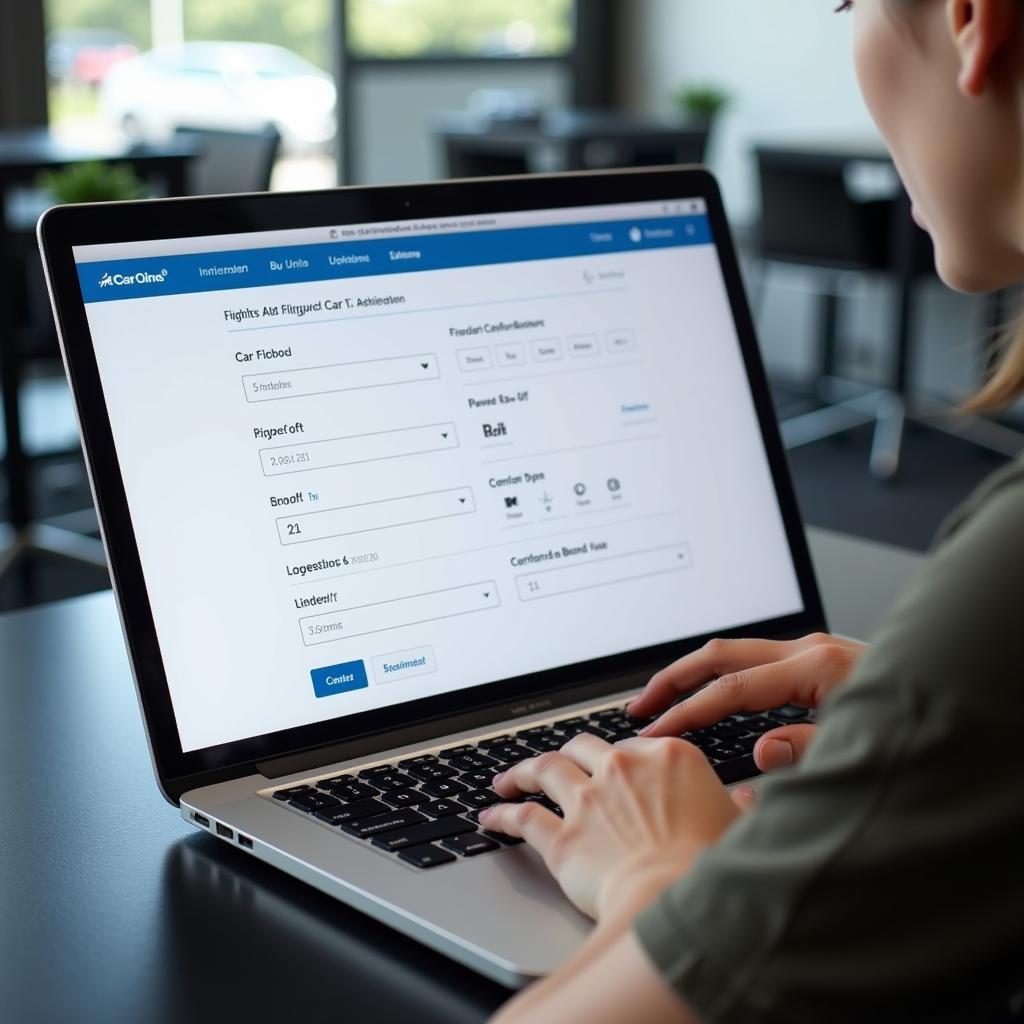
<point>141,277</point>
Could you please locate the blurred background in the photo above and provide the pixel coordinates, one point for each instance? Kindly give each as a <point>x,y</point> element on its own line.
<point>867,351</point>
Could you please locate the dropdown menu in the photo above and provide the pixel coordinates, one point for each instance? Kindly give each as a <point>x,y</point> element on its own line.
<point>601,572</point>
<point>345,623</point>
<point>349,451</point>
<point>323,380</point>
<point>375,515</point>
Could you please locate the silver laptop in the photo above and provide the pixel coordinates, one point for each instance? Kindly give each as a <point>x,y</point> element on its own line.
<point>400,486</point>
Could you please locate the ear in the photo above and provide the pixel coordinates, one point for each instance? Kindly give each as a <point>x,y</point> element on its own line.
<point>981,31</point>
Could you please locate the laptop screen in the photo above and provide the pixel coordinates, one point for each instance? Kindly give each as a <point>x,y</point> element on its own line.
<point>375,463</point>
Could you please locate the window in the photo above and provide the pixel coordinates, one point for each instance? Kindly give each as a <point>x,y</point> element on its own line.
<point>404,29</point>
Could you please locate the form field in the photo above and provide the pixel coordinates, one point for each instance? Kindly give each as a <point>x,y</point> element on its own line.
<point>375,515</point>
<point>601,572</point>
<point>322,380</point>
<point>345,623</point>
<point>348,451</point>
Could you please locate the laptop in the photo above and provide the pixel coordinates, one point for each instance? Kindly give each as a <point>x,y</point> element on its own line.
<point>402,485</point>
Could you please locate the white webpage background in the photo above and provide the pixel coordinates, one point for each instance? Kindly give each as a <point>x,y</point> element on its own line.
<point>688,457</point>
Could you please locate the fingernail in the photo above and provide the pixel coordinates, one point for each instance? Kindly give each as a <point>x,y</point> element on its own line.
<point>748,792</point>
<point>779,752</point>
<point>498,778</point>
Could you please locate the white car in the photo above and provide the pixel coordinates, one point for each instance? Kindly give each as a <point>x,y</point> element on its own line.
<point>228,86</point>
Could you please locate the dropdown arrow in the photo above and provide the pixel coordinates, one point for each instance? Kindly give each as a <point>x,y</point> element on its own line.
<point>445,436</point>
<point>426,366</point>
<point>487,593</point>
<point>462,501</point>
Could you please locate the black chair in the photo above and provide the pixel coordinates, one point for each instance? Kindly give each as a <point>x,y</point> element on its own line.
<point>475,145</point>
<point>837,212</point>
<point>230,161</point>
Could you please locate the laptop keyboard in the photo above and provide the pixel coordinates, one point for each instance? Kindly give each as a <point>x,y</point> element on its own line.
<point>424,808</point>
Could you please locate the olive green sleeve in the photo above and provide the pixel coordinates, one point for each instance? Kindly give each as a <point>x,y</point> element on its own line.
<point>882,879</point>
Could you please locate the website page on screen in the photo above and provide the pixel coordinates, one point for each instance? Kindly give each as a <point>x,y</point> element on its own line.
<point>367,465</point>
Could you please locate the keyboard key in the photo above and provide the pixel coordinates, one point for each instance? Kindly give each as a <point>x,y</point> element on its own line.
<point>473,762</point>
<point>287,794</point>
<point>728,731</point>
<point>500,837</point>
<point>479,798</point>
<point>606,713</point>
<point>702,738</point>
<point>405,797</point>
<point>540,745</point>
<point>426,856</point>
<point>727,752</point>
<point>470,844</point>
<point>450,752</point>
<point>441,808</point>
<point>313,801</point>
<point>734,771</point>
<point>760,724</point>
<point>789,713</point>
<point>431,772</point>
<point>477,780</point>
<point>495,741</point>
<point>444,788</point>
<point>394,780</point>
<point>410,762</point>
<point>567,723</point>
<point>377,769</point>
<point>512,753</point>
<point>351,791</point>
<point>442,828</point>
<point>364,828</point>
<point>352,812</point>
<point>539,732</point>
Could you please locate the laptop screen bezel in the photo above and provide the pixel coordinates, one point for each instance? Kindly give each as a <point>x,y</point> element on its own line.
<point>65,227</point>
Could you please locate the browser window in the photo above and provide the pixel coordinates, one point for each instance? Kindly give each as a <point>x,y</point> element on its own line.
<point>419,458</point>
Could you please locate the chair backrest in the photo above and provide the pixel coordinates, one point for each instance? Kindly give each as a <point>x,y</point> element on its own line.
<point>809,216</point>
<point>231,161</point>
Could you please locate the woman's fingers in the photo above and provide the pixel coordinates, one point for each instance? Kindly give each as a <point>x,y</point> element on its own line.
<point>783,746</point>
<point>529,821</point>
<point>551,774</point>
<point>753,689</point>
<point>715,658</point>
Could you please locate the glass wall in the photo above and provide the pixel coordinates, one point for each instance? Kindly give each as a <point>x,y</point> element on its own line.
<point>397,29</point>
<point>140,69</point>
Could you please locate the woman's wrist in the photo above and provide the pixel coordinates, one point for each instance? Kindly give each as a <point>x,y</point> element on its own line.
<point>638,883</point>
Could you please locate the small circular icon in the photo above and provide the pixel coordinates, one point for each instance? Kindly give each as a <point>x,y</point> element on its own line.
<point>614,484</point>
<point>636,235</point>
<point>579,490</point>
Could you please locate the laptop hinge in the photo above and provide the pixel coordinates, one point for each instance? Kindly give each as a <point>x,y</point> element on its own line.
<point>424,732</point>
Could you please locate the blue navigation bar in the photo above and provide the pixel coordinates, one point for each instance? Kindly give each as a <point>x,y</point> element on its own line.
<point>111,280</point>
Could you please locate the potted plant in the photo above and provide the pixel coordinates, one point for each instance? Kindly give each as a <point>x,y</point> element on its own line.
<point>92,182</point>
<point>702,102</point>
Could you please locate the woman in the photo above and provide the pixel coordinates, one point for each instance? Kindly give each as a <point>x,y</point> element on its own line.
<point>882,877</point>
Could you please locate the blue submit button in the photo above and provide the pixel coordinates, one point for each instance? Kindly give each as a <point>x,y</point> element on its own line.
<point>350,675</point>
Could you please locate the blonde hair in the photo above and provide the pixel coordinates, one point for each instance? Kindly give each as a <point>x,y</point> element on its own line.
<point>1006,383</point>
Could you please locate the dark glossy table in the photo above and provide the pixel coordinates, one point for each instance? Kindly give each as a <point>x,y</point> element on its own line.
<point>113,910</point>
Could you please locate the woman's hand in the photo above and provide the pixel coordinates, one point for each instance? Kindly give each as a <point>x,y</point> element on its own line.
<point>635,817</point>
<point>749,675</point>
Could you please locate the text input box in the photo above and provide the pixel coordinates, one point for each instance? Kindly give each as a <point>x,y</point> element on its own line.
<point>322,380</point>
<point>349,451</point>
<point>344,623</point>
<point>603,571</point>
<point>375,515</point>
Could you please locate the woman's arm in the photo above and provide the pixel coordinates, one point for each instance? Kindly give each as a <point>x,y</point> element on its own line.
<point>610,980</point>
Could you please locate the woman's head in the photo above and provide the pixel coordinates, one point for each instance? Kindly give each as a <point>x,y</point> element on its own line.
<point>944,81</point>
